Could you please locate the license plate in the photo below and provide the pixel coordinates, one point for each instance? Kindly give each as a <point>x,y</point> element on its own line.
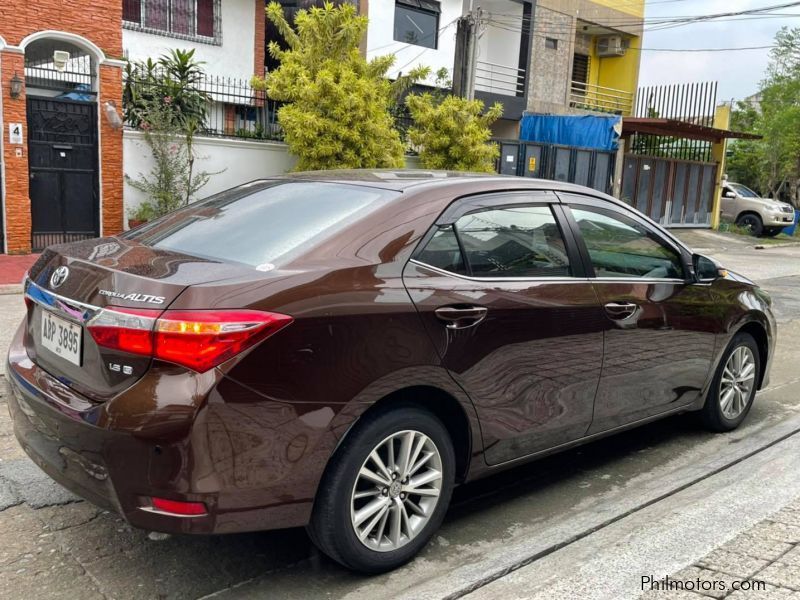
<point>62,337</point>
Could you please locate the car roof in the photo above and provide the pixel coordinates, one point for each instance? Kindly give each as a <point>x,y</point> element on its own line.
<point>420,180</point>
<point>417,179</point>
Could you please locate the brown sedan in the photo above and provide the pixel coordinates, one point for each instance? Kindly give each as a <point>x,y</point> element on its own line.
<point>339,349</point>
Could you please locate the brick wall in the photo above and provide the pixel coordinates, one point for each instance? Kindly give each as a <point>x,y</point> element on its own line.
<point>18,205</point>
<point>100,22</point>
<point>258,66</point>
<point>111,152</point>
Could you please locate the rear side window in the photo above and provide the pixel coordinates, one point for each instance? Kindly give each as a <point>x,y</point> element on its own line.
<point>521,241</point>
<point>263,224</point>
<point>442,252</point>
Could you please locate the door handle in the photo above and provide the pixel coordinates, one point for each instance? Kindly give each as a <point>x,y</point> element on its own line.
<point>461,317</point>
<point>621,310</point>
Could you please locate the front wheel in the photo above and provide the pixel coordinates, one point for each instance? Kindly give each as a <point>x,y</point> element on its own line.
<point>752,222</point>
<point>772,231</point>
<point>734,386</point>
<point>386,490</point>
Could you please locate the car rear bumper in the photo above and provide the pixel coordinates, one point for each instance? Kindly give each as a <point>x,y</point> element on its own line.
<point>118,464</point>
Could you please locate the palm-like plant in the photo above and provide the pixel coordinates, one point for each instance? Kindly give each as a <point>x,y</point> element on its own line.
<point>175,80</point>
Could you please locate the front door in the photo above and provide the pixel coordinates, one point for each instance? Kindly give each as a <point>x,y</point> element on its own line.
<point>658,344</point>
<point>62,142</point>
<point>503,296</point>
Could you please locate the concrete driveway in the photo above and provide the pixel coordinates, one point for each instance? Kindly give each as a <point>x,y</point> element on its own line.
<point>531,532</point>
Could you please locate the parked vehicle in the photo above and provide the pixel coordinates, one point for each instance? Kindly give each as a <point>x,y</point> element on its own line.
<point>762,216</point>
<point>337,350</point>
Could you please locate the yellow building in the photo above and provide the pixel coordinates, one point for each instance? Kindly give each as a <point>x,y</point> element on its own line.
<point>585,56</point>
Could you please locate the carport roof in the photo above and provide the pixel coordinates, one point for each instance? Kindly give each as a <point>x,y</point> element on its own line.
<point>680,129</point>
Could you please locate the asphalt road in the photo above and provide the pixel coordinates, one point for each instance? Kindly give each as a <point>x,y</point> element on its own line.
<point>522,533</point>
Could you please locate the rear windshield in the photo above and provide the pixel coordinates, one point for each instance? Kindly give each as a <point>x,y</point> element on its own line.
<point>262,224</point>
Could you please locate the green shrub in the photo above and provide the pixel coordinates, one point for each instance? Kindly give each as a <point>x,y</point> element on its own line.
<point>337,111</point>
<point>452,133</point>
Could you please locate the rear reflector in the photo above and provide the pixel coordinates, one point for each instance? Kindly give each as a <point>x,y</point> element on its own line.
<point>197,339</point>
<point>176,507</point>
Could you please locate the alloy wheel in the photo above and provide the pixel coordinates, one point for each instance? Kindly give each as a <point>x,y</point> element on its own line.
<point>737,382</point>
<point>396,491</point>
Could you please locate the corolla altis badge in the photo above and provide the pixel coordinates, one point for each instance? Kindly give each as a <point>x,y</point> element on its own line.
<point>133,297</point>
<point>59,276</point>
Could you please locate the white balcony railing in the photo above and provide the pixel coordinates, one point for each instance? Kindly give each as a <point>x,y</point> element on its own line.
<point>599,98</point>
<point>499,79</point>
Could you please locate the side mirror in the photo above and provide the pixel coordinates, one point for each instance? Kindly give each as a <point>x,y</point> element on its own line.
<point>729,194</point>
<point>706,269</point>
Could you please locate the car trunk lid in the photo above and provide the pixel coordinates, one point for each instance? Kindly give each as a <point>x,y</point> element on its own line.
<point>71,284</point>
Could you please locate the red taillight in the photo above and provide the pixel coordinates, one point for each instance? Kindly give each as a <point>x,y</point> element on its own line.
<point>176,507</point>
<point>126,329</point>
<point>198,339</point>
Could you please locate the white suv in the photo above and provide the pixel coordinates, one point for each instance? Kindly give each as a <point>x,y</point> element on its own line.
<point>762,216</point>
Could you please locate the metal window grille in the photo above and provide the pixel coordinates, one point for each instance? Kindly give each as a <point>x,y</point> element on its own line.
<point>235,109</point>
<point>198,20</point>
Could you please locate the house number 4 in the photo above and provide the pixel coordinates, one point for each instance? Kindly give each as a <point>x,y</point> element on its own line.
<point>15,133</point>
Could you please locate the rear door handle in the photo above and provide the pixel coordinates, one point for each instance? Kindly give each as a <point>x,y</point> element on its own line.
<point>620,310</point>
<point>461,317</point>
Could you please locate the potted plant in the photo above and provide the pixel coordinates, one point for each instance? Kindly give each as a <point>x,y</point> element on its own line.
<point>140,215</point>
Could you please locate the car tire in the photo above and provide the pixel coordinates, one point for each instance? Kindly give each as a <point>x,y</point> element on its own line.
<point>734,386</point>
<point>345,495</point>
<point>752,222</point>
<point>771,231</point>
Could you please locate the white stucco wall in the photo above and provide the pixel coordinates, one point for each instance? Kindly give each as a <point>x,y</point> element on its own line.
<point>500,40</point>
<point>380,36</point>
<point>239,160</point>
<point>233,58</point>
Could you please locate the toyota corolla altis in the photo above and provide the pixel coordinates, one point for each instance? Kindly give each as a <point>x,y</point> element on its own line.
<point>338,350</point>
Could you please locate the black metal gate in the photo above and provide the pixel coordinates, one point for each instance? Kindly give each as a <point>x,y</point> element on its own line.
<point>62,146</point>
<point>584,166</point>
<point>670,191</point>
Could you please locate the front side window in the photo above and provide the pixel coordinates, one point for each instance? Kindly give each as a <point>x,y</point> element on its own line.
<point>194,18</point>
<point>621,247</point>
<point>417,22</point>
<point>522,241</point>
<point>742,190</point>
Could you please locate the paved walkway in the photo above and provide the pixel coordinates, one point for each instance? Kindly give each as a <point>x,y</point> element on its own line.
<point>12,267</point>
<point>762,562</point>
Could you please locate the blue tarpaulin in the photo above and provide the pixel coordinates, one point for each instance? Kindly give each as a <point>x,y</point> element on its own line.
<point>584,131</point>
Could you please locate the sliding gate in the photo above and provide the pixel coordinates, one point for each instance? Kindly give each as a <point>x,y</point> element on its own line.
<point>670,191</point>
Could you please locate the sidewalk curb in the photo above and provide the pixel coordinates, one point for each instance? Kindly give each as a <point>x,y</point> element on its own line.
<point>522,552</point>
<point>778,245</point>
<point>7,289</point>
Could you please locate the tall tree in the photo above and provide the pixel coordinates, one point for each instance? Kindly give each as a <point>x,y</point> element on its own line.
<point>337,111</point>
<point>773,164</point>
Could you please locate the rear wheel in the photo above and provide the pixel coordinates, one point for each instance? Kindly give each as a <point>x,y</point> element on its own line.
<point>752,222</point>
<point>386,490</point>
<point>734,386</point>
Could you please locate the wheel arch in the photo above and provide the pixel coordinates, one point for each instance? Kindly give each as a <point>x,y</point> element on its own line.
<point>746,212</point>
<point>759,333</point>
<point>450,410</point>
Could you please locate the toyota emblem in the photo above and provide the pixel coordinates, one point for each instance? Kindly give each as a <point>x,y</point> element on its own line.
<point>59,276</point>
